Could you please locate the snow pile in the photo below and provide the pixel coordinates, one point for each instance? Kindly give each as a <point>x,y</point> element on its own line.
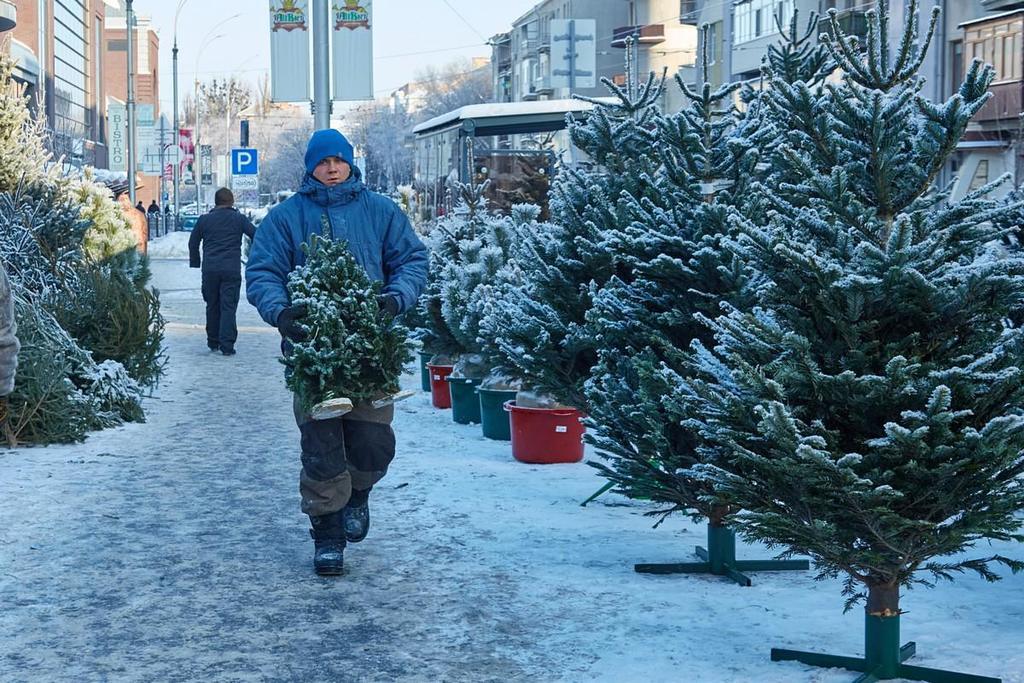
<point>171,245</point>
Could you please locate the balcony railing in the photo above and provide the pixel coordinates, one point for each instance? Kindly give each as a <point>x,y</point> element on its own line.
<point>853,23</point>
<point>652,34</point>
<point>1006,103</point>
<point>542,85</point>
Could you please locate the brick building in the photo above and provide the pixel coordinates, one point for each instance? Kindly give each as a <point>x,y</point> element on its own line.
<point>74,53</point>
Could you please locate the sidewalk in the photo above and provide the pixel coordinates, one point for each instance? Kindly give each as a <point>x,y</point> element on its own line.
<point>175,551</point>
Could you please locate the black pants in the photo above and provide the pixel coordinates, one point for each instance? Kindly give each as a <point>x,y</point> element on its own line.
<point>220,292</point>
<point>342,455</point>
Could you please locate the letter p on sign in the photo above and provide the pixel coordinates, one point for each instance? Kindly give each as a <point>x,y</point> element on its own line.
<point>244,161</point>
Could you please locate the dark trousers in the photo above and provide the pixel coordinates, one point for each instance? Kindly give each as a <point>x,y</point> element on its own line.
<point>220,292</point>
<point>343,455</point>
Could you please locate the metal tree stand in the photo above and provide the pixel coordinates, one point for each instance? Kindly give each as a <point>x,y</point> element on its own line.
<point>719,558</point>
<point>883,657</point>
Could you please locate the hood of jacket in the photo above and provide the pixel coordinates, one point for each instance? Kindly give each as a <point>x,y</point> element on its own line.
<point>335,195</point>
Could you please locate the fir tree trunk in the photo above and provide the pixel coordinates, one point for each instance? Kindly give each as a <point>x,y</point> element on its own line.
<point>717,515</point>
<point>883,600</point>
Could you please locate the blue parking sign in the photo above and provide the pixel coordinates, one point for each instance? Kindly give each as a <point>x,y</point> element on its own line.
<point>244,161</point>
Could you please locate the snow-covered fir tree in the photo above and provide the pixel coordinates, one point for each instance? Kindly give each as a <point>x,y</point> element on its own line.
<point>23,155</point>
<point>674,265</point>
<point>445,240</point>
<point>352,350</point>
<point>538,330</point>
<point>869,411</point>
<point>484,269</point>
<point>60,391</point>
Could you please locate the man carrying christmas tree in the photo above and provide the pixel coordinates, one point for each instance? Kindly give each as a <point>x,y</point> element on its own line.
<point>342,458</point>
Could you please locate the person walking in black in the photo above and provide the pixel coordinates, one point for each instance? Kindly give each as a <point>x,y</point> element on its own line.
<point>141,207</point>
<point>153,207</point>
<point>220,233</point>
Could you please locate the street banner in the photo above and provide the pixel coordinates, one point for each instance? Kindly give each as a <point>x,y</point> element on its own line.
<point>352,63</point>
<point>573,53</point>
<point>188,156</point>
<point>146,144</point>
<point>289,50</point>
<point>117,120</point>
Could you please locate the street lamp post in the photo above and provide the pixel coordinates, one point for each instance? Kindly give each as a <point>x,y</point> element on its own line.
<point>198,140</point>
<point>176,160</point>
<point>227,108</point>
<point>207,39</point>
<point>130,109</point>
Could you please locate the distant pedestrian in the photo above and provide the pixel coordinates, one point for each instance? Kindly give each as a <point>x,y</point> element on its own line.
<point>8,347</point>
<point>153,207</point>
<point>119,188</point>
<point>220,233</point>
<point>141,207</point>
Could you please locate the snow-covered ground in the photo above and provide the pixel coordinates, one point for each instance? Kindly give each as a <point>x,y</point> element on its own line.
<point>173,245</point>
<point>175,551</point>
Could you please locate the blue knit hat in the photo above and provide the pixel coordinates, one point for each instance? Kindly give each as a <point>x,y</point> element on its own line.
<point>327,143</point>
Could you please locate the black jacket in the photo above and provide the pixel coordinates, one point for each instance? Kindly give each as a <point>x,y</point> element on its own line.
<point>221,232</point>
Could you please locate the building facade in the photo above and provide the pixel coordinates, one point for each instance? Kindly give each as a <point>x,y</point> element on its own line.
<point>72,56</point>
<point>522,62</point>
<point>59,48</point>
<point>738,33</point>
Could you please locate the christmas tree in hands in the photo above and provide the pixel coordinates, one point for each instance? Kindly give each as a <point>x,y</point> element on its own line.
<point>870,411</point>
<point>352,351</point>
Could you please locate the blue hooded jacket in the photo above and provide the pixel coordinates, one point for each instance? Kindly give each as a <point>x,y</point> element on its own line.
<point>378,234</point>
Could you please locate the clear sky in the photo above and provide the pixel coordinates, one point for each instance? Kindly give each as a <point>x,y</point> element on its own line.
<point>407,35</point>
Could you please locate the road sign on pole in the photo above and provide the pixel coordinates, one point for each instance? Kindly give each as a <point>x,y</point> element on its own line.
<point>573,53</point>
<point>245,182</point>
<point>245,161</point>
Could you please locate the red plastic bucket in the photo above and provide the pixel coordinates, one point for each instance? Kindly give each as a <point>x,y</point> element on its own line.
<point>545,435</point>
<point>440,394</point>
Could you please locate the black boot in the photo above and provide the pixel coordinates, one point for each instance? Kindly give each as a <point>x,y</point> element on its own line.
<point>357,516</point>
<point>328,534</point>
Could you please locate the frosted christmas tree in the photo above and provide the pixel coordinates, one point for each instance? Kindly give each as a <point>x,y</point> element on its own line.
<point>869,411</point>
<point>538,330</point>
<point>678,264</point>
<point>352,351</point>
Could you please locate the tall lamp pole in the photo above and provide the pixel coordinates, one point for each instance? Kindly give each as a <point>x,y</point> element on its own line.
<point>176,170</point>
<point>207,39</point>
<point>130,30</point>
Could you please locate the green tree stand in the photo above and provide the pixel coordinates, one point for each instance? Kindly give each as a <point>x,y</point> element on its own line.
<point>883,657</point>
<point>720,558</point>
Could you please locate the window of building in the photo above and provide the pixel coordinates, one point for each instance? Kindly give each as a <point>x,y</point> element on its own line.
<point>980,175</point>
<point>69,68</point>
<point>755,19</point>
<point>998,44</point>
<point>712,40</point>
<point>956,67</point>
<point>97,89</point>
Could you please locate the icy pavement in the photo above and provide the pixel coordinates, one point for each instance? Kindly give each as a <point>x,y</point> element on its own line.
<point>175,551</point>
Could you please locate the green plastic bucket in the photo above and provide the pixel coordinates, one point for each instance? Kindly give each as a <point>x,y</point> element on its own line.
<point>465,404</point>
<point>424,371</point>
<point>493,416</point>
